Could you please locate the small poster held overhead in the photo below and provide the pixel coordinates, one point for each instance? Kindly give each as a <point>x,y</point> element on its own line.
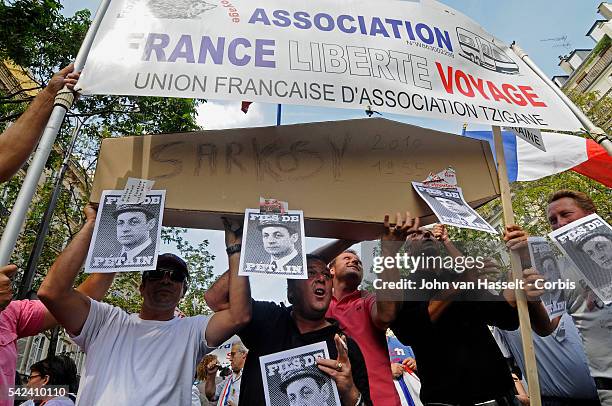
<point>588,243</point>
<point>126,237</point>
<point>544,260</point>
<point>273,244</point>
<point>292,377</point>
<point>451,208</point>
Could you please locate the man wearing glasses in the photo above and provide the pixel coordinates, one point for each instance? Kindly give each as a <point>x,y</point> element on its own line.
<point>147,358</point>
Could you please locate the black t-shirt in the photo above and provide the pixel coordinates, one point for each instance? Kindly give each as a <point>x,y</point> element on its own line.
<point>457,356</point>
<point>272,330</point>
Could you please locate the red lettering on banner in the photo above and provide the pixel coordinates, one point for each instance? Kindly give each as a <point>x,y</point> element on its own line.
<point>515,96</point>
<point>466,84</point>
<point>527,91</point>
<point>232,12</point>
<point>497,95</point>
<point>479,85</point>
<point>448,84</point>
<point>460,75</point>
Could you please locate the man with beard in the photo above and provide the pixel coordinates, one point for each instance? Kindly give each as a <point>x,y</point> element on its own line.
<point>592,317</point>
<point>276,328</point>
<point>459,361</point>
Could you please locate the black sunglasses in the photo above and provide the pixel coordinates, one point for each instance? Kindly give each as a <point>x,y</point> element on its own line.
<point>158,274</point>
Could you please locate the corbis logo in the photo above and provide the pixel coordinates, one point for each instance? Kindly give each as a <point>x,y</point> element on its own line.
<point>176,9</point>
<point>478,50</point>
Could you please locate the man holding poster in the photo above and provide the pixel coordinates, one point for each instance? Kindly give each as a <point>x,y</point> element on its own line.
<point>125,350</point>
<point>592,316</point>
<point>301,324</point>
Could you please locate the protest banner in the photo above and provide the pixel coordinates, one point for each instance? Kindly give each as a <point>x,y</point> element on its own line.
<point>293,374</point>
<point>273,244</point>
<point>416,58</point>
<point>126,237</point>
<point>587,242</point>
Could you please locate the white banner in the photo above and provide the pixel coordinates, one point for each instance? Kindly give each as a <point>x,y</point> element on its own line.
<point>406,57</point>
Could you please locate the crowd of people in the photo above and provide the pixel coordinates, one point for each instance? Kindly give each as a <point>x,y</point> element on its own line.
<point>153,357</point>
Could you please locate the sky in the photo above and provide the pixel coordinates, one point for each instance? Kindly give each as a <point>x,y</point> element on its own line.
<point>531,23</point>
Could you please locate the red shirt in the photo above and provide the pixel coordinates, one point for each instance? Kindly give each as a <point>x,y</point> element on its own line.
<point>353,314</point>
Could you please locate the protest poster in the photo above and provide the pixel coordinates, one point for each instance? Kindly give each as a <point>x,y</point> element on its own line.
<point>126,237</point>
<point>289,376</point>
<point>273,244</point>
<point>545,261</point>
<point>587,242</point>
<point>415,57</point>
<point>451,208</point>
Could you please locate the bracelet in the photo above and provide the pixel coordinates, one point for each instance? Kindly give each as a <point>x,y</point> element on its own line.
<point>233,249</point>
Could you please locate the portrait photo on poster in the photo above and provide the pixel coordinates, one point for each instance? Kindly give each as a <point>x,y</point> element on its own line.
<point>451,208</point>
<point>126,237</point>
<point>587,242</point>
<point>273,244</point>
<point>545,260</point>
<point>292,378</point>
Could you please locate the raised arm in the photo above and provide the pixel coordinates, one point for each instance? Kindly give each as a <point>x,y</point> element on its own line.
<point>18,140</point>
<point>66,305</point>
<point>6,290</point>
<point>441,234</point>
<point>388,302</point>
<point>226,323</point>
<point>516,239</point>
<point>217,296</point>
<point>331,250</point>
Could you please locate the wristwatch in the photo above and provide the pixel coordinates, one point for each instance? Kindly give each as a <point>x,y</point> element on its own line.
<point>232,249</point>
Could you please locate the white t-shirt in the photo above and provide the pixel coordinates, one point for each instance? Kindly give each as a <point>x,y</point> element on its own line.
<point>131,361</point>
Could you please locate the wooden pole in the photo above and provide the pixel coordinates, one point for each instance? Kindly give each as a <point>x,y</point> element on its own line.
<point>531,369</point>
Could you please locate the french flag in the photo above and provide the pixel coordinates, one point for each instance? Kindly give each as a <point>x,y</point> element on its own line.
<point>563,152</point>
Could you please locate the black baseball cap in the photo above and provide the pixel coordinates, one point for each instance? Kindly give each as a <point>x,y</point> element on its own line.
<point>174,262</point>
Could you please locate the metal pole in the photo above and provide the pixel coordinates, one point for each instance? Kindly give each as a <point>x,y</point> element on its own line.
<point>594,132</point>
<point>278,114</point>
<point>63,102</point>
<point>43,228</point>
<point>53,341</point>
<point>531,369</point>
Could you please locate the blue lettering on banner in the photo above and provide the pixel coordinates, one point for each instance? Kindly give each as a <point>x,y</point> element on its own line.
<point>160,47</point>
<point>375,26</point>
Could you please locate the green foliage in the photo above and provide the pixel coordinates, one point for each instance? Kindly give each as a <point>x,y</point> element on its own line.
<point>200,269</point>
<point>597,107</point>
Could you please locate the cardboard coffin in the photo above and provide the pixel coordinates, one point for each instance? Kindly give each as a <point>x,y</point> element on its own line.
<point>345,175</point>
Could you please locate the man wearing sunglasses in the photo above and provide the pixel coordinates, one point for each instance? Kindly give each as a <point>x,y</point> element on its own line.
<point>275,328</point>
<point>147,358</point>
